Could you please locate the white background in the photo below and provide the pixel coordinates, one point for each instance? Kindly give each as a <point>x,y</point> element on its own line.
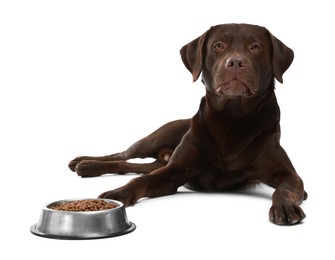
<point>92,77</point>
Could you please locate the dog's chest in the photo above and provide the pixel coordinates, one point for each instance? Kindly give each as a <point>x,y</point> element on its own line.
<point>233,142</point>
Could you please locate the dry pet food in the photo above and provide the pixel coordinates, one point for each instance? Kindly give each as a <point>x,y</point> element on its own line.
<point>83,205</point>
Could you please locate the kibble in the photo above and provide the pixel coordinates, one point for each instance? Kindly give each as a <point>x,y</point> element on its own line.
<point>84,205</point>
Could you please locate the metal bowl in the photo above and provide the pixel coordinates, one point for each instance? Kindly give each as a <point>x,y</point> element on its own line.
<point>82,224</point>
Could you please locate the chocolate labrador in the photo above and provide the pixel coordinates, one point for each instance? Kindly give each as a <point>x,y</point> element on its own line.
<point>233,139</point>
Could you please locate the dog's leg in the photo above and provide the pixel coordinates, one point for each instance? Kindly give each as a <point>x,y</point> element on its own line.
<point>158,145</point>
<point>287,197</point>
<point>94,168</point>
<point>289,188</point>
<point>162,182</point>
<point>182,167</point>
<point>113,157</point>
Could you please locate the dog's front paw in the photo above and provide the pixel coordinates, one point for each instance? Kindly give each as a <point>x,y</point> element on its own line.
<point>286,214</point>
<point>126,197</point>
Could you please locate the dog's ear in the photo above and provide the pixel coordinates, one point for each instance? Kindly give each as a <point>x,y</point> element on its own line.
<point>192,56</point>
<point>281,59</point>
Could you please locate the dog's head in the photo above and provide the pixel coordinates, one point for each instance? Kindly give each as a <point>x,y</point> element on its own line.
<point>237,59</point>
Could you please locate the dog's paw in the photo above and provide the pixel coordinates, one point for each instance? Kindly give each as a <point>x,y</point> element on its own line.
<point>127,198</point>
<point>88,168</point>
<point>73,164</point>
<point>287,214</point>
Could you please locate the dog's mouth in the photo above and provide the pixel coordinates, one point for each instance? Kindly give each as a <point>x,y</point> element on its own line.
<point>234,87</point>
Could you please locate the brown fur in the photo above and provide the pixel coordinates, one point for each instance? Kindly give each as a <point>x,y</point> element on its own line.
<point>231,142</point>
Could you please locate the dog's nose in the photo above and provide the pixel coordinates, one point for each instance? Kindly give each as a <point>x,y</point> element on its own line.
<point>235,62</point>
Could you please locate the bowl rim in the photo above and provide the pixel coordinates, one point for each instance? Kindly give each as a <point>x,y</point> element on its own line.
<point>118,203</point>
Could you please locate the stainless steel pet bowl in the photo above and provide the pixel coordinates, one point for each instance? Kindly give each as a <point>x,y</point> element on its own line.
<point>83,224</point>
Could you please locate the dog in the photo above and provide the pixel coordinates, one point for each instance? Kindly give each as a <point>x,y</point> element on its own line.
<point>233,139</point>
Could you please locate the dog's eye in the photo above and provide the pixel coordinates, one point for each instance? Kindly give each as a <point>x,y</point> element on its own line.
<point>219,46</point>
<point>255,47</point>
